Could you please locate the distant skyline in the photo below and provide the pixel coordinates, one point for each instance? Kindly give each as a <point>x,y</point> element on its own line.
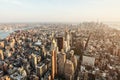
<point>59,10</point>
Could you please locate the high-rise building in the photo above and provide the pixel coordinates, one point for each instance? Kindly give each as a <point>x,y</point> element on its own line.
<point>65,46</point>
<point>43,52</point>
<point>56,67</point>
<point>5,78</point>
<point>34,60</point>
<point>61,62</point>
<point>2,45</point>
<point>60,43</point>
<point>12,43</point>
<point>53,44</point>
<point>69,70</point>
<point>1,55</point>
<point>41,69</point>
<point>54,63</point>
<point>73,58</point>
<point>67,39</point>
<point>54,51</point>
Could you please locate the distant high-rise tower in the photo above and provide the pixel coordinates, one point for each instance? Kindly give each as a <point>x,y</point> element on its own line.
<point>67,39</point>
<point>60,43</point>
<point>67,36</point>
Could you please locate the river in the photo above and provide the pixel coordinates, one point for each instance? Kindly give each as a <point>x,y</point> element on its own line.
<point>4,34</point>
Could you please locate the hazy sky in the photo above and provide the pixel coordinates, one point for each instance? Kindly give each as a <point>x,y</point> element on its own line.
<point>59,10</point>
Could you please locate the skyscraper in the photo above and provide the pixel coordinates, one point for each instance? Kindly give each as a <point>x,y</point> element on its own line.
<point>2,45</point>
<point>67,39</point>
<point>61,62</point>
<point>53,64</point>
<point>54,51</point>
<point>34,60</point>
<point>1,55</point>
<point>60,43</point>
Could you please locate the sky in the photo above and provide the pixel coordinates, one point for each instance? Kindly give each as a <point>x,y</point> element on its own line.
<point>59,10</point>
